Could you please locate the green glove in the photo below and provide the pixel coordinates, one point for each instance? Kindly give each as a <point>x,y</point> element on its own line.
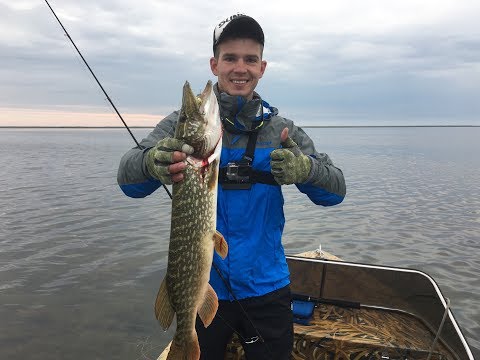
<point>289,165</point>
<point>161,156</point>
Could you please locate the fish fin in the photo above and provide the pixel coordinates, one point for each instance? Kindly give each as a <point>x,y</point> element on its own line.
<point>163,309</point>
<point>187,351</point>
<point>221,246</point>
<point>208,308</point>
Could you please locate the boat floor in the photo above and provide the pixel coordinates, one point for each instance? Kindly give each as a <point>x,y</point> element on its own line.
<point>345,333</point>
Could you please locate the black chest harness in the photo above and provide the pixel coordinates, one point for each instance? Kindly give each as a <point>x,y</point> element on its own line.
<point>240,175</point>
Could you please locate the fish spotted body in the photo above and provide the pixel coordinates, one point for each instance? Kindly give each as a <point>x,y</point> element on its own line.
<point>185,290</point>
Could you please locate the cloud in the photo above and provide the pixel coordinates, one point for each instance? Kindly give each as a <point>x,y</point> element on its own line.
<point>365,57</point>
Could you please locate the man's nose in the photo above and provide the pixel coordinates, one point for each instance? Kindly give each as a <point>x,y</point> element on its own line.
<point>240,66</point>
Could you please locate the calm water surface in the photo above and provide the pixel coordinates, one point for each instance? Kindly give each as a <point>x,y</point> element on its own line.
<point>80,263</point>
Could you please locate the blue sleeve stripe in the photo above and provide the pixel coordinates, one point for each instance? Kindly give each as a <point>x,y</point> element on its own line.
<point>320,196</point>
<point>142,189</point>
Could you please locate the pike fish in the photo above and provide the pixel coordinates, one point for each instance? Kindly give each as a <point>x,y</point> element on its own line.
<point>185,290</point>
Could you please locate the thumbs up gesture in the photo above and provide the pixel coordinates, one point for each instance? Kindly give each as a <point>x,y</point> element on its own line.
<point>289,165</point>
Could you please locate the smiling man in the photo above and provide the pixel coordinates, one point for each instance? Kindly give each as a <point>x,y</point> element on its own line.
<point>261,151</point>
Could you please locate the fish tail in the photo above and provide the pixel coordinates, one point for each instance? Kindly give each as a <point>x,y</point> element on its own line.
<point>189,350</point>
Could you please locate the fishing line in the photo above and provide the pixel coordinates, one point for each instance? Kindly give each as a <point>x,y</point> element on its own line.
<point>101,87</point>
<point>253,339</point>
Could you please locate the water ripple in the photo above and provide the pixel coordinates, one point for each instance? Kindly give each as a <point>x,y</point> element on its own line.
<point>78,257</point>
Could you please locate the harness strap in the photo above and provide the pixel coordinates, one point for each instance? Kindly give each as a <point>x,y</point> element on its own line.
<point>256,176</point>
<point>251,144</point>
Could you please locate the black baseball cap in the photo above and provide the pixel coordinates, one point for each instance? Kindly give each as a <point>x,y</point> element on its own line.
<point>238,26</point>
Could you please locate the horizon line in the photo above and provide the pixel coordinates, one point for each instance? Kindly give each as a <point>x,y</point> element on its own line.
<point>150,127</point>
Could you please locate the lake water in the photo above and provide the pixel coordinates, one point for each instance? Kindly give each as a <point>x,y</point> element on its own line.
<point>80,263</point>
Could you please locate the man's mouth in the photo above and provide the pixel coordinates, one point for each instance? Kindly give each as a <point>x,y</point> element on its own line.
<point>239,82</point>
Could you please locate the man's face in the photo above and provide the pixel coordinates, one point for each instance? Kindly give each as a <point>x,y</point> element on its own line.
<point>239,66</point>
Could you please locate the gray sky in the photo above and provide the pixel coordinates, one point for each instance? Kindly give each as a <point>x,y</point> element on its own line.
<point>343,62</point>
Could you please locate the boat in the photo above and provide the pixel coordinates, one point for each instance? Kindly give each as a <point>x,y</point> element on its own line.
<point>346,310</point>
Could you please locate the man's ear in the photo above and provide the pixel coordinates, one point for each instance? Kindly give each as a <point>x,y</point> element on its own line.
<point>213,65</point>
<point>263,67</point>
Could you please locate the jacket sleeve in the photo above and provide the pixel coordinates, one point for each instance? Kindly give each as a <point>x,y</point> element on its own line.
<point>325,184</point>
<point>132,175</point>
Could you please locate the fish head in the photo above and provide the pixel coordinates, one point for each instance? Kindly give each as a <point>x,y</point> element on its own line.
<point>199,122</point>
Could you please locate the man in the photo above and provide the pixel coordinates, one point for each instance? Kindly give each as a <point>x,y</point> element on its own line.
<point>258,155</point>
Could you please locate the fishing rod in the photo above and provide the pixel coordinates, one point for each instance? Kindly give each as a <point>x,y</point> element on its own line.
<point>100,85</point>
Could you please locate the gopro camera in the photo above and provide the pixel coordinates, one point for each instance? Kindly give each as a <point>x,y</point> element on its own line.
<point>237,176</point>
<point>238,172</point>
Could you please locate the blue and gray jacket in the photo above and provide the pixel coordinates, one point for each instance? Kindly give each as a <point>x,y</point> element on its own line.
<point>251,220</point>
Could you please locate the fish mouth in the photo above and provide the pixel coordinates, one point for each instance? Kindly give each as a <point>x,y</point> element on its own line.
<point>189,100</point>
<point>193,103</point>
<point>207,92</point>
